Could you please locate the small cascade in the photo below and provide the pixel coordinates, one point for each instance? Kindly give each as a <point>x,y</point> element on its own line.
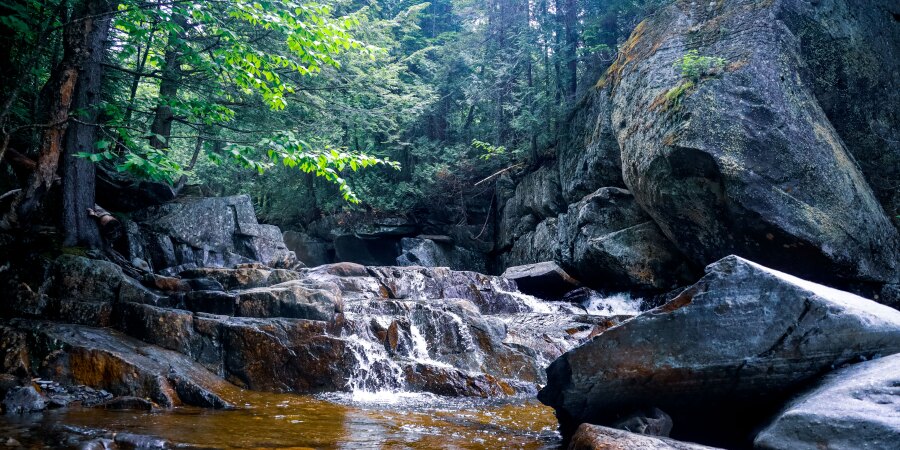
<point>621,304</point>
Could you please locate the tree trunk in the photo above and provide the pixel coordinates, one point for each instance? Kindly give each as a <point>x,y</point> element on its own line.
<point>82,135</point>
<point>58,93</point>
<point>161,128</point>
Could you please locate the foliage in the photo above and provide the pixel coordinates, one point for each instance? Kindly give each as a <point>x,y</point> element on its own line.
<point>289,101</point>
<point>693,66</point>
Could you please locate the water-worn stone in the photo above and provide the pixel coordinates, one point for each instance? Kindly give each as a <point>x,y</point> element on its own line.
<point>743,159</point>
<point>742,337</point>
<point>544,279</point>
<point>595,437</point>
<point>106,359</point>
<point>24,400</point>
<point>857,407</point>
<point>292,299</point>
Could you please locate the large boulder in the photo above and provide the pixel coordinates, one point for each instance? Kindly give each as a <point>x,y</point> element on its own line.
<point>740,157</point>
<point>856,407</point>
<point>725,350</point>
<point>204,231</point>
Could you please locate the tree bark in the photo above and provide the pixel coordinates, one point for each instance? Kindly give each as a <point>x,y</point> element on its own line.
<point>78,174</point>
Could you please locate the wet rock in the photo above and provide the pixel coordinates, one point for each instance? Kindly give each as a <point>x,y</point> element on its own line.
<point>291,299</point>
<point>855,407</point>
<point>80,278</point>
<point>545,279</point>
<point>595,437</point>
<point>743,335</point>
<point>213,302</point>
<point>128,403</point>
<point>138,441</point>
<point>649,422</point>
<point>14,351</point>
<point>105,359</point>
<point>24,400</point>
<point>85,313</point>
<point>772,179</point>
<point>454,382</point>
<point>239,278</point>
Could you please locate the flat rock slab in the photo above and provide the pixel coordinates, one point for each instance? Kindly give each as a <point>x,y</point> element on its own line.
<point>853,408</point>
<point>596,437</point>
<point>743,336</point>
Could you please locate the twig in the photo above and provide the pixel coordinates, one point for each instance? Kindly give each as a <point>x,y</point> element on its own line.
<point>495,174</point>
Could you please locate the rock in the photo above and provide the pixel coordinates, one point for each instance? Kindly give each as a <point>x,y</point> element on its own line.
<point>431,253</point>
<point>610,243</point>
<point>106,359</point>
<point>292,299</point>
<point>80,278</point>
<point>649,422</point>
<point>733,344</point>
<point>205,231</point>
<point>595,437</point>
<point>121,191</point>
<point>535,198</point>
<point>312,251</point>
<point>638,258</point>
<point>744,160</point>
<point>855,407</point>
<point>24,400</point>
<point>14,351</point>
<point>588,153</point>
<point>138,441</point>
<point>127,403</point>
<point>545,279</point>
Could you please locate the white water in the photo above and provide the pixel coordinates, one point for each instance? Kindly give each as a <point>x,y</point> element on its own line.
<point>621,304</point>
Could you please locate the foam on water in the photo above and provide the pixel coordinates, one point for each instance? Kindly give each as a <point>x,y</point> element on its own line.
<point>621,304</point>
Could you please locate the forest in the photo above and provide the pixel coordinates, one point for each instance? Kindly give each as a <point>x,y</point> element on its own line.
<point>461,224</point>
<point>285,101</point>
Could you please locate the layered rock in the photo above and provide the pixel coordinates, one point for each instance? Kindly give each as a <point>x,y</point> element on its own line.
<point>855,407</point>
<point>723,351</point>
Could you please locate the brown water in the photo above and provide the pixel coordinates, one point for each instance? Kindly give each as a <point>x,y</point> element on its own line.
<point>291,421</point>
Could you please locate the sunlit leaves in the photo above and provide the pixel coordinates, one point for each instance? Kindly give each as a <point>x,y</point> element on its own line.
<point>287,149</point>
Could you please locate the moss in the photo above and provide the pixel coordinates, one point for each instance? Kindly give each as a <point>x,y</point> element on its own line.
<point>672,98</point>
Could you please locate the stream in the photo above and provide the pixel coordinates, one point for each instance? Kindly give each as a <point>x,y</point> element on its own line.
<point>345,421</point>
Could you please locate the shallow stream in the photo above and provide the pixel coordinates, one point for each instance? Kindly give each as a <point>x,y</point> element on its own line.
<point>342,421</point>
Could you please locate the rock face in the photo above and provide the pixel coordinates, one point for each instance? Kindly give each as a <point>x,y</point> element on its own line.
<point>744,160</point>
<point>856,407</point>
<point>595,437</point>
<point>741,338</point>
<point>782,153</point>
<point>203,232</point>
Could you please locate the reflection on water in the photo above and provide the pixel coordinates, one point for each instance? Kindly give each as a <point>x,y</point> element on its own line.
<point>334,421</point>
